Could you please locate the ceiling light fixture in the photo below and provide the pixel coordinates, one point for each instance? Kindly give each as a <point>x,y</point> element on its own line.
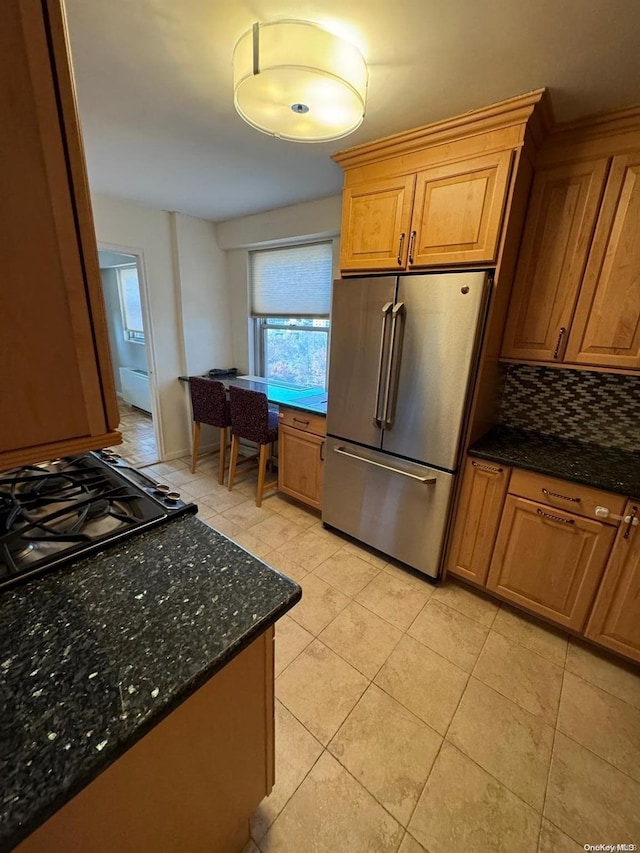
<point>296,81</point>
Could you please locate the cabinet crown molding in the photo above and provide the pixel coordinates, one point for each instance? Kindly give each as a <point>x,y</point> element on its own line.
<point>532,110</point>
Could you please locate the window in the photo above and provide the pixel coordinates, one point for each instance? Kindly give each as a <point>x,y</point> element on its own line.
<point>130,307</point>
<point>290,303</point>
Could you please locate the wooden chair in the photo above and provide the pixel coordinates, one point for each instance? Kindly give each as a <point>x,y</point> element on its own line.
<point>210,406</point>
<point>252,420</point>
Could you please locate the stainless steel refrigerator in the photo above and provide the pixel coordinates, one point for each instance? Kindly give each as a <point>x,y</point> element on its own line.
<point>403,351</point>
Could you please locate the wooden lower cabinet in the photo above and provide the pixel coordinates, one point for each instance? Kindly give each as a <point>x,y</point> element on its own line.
<point>549,561</point>
<point>191,783</point>
<point>300,464</point>
<point>484,487</point>
<point>615,620</point>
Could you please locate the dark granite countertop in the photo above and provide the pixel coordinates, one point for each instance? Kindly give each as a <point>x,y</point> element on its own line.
<point>92,656</point>
<point>591,464</point>
<point>306,399</point>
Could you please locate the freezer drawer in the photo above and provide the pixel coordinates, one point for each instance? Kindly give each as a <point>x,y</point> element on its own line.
<point>396,506</point>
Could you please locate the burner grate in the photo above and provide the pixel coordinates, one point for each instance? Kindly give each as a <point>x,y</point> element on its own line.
<point>58,510</point>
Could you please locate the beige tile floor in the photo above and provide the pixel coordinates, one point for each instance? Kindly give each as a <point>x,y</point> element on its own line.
<point>416,718</point>
<point>138,436</point>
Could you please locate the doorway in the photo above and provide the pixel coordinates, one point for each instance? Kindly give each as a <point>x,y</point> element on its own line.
<point>121,273</point>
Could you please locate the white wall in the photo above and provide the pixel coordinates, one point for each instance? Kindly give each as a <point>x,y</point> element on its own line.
<point>201,279</point>
<point>123,224</point>
<point>313,220</point>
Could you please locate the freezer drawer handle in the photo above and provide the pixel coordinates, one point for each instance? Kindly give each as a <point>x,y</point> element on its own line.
<point>386,309</point>
<point>428,481</point>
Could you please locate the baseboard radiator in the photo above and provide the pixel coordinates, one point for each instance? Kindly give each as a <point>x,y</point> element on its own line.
<point>135,388</point>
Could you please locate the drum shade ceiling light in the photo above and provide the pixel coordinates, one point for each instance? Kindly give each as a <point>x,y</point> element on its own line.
<point>296,81</point>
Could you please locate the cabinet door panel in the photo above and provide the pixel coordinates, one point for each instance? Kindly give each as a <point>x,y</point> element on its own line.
<point>458,211</point>
<point>560,223</point>
<point>549,561</point>
<point>53,399</point>
<point>606,326</point>
<point>300,465</point>
<point>615,620</point>
<point>483,492</point>
<point>375,224</point>
<point>50,372</point>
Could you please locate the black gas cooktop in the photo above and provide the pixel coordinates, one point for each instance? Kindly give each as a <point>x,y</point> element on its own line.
<point>54,512</point>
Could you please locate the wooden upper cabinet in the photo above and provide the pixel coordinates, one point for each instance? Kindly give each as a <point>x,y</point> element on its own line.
<point>606,326</point>
<point>457,212</point>
<point>57,394</point>
<point>437,196</point>
<point>615,620</point>
<point>560,222</point>
<point>549,561</point>
<point>375,224</point>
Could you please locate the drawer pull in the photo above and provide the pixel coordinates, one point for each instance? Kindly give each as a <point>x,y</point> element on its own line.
<point>555,517</point>
<point>558,495</point>
<point>301,421</point>
<point>486,467</point>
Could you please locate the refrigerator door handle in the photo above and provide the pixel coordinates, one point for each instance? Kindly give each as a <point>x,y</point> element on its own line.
<point>428,481</point>
<point>393,367</point>
<point>377,415</point>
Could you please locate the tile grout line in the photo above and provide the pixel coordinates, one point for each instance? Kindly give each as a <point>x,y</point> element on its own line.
<point>553,747</point>
<point>289,798</point>
<point>444,737</point>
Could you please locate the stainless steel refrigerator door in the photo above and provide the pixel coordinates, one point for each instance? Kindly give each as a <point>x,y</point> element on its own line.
<point>437,319</point>
<point>360,327</point>
<point>396,506</point>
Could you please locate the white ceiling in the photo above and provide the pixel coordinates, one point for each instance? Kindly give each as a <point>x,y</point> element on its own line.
<point>154,82</point>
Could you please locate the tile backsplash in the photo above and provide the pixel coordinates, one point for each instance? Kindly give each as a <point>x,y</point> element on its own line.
<point>601,408</point>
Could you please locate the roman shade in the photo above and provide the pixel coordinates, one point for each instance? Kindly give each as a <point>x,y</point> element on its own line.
<point>294,281</point>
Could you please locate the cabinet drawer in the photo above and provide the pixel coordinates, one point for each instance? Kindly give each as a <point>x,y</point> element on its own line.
<point>560,494</point>
<point>549,561</point>
<point>304,420</point>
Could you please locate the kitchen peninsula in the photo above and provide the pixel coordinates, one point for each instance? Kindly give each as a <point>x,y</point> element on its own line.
<point>139,692</point>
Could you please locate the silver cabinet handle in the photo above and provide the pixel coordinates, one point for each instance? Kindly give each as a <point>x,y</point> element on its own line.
<point>555,517</point>
<point>562,497</point>
<point>412,240</point>
<point>400,247</point>
<point>386,308</point>
<point>561,334</point>
<point>393,365</point>
<point>487,468</point>
<point>428,481</point>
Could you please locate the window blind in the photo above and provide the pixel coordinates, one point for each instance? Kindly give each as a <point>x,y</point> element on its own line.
<point>291,282</point>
